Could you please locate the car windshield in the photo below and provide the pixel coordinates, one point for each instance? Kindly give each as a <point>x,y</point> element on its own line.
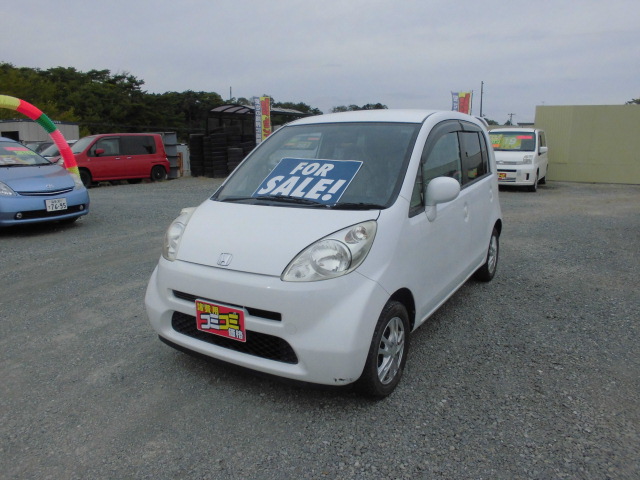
<point>16,154</point>
<point>340,165</point>
<point>513,141</point>
<point>81,144</point>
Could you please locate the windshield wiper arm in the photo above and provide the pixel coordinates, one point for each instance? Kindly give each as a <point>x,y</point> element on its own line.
<point>358,206</point>
<point>278,198</point>
<point>291,199</point>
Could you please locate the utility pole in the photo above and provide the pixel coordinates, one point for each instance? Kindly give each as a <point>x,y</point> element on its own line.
<point>481,93</point>
<point>511,118</point>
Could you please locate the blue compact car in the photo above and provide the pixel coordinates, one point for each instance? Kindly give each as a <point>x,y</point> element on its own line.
<point>34,190</point>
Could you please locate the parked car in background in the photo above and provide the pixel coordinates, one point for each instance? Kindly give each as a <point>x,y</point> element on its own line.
<point>39,146</point>
<point>34,190</point>
<point>52,153</point>
<point>121,156</point>
<point>521,156</point>
<point>335,238</point>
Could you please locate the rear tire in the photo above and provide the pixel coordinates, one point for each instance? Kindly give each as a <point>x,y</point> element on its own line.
<point>158,173</point>
<point>388,352</point>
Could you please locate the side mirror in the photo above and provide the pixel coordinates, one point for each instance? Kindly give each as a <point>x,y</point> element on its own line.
<point>440,190</point>
<point>99,151</point>
<point>544,150</point>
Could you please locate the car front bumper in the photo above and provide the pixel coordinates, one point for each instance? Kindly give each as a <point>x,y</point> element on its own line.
<point>327,325</point>
<point>516,175</point>
<point>27,209</point>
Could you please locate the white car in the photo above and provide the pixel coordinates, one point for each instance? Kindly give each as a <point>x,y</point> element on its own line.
<point>521,156</point>
<point>332,241</point>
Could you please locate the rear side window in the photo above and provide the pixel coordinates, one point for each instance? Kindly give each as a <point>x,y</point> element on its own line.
<point>138,145</point>
<point>474,160</point>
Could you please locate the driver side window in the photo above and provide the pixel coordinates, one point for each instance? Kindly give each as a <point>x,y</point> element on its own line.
<point>443,160</point>
<point>440,158</point>
<point>110,146</point>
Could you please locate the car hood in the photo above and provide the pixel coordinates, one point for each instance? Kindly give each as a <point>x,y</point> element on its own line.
<point>45,178</point>
<point>260,239</point>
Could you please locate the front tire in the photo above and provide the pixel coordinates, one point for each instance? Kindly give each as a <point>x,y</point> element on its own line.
<point>487,271</point>
<point>388,352</point>
<point>85,177</point>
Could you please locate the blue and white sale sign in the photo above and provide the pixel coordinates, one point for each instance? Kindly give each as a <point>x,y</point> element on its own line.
<point>321,180</point>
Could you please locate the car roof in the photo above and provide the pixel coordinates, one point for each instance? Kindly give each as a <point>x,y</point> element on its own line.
<point>383,115</point>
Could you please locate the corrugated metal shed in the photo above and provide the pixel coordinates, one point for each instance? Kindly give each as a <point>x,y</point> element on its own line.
<point>250,110</point>
<point>592,143</point>
<point>26,130</point>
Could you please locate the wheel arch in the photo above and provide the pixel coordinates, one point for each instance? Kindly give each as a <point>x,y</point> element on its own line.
<point>405,297</point>
<point>498,226</point>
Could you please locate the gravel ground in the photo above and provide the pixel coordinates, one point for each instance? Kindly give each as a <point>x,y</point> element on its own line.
<point>535,375</point>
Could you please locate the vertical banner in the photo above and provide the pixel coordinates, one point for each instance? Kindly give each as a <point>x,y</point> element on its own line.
<point>262,106</point>
<point>266,116</point>
<point>257,106</point>
<point>461,102</point>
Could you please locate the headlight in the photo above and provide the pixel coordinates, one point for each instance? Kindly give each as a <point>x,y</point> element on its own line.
<point>174,234</point>
<point>527,159</point>
<point>332,256</point>
<point>5,190</point>
<point>76,180</point>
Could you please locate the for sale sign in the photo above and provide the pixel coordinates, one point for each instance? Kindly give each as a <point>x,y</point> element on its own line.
<point>323,181</point>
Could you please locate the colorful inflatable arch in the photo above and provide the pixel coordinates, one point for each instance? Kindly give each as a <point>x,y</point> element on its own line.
<point>45,122</point>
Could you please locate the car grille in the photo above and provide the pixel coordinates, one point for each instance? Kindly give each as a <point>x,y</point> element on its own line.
<point>45,194</point>
<point>257,344</point>
<point>254,312</point>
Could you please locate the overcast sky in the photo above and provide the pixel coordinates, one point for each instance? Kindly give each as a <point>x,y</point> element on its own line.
<point>325,53</point>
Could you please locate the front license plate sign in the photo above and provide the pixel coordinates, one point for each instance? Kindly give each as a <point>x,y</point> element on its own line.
<point>220,320</point>
<point>56,204</point>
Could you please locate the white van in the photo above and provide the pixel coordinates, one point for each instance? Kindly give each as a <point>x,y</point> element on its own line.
<point>521,156</point>
<point>332,241</point>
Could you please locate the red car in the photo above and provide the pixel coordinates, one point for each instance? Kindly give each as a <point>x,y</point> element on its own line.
<point>121,156</point>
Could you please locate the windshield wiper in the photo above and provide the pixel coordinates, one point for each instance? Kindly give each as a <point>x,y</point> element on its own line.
<point>291,199</point>
<point>358,206</point>
<point>278,198</point>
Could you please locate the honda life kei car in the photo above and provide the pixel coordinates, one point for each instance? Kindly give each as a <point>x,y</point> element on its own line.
<point>335,238</point>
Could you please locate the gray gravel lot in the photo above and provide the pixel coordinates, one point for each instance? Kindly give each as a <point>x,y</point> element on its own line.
<point>535,375</point>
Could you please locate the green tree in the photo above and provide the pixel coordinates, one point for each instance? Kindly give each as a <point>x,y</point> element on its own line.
<point>101,101</point>
<point>353,108</point>
<point>301,107</point>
